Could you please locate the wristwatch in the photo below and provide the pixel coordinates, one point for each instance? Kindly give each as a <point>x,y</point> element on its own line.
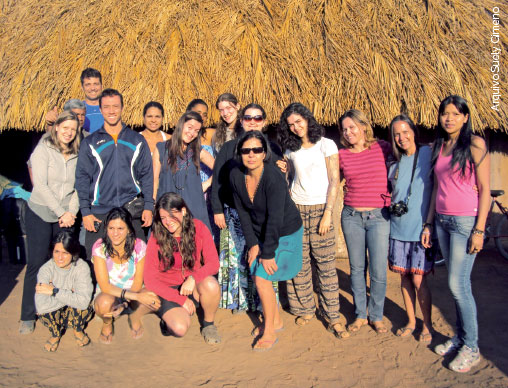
<point>55,291</point>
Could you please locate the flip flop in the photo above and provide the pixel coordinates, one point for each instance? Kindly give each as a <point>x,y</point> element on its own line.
<point>52,346</point>
<point>106,339</point>
<point>82,341</point>
<point>135,334</point>
<point>379,327</point>
<point>357,325</point>
<point>303,320</point>
<point>340,333</point>
<point>272,344</point>
<point>404,331</point>
<point>258,330</point>
<point>425,338</point>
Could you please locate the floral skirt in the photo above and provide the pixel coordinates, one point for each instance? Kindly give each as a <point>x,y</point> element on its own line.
<point>238,291</point>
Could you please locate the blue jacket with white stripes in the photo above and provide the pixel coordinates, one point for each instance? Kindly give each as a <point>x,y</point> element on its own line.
<point>110,174</point>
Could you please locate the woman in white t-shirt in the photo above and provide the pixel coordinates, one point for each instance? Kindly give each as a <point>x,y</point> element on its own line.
<point>312,162</point>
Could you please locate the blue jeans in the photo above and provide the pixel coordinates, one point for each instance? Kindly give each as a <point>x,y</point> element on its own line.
<point>454,233</point>
<point>367,230</point>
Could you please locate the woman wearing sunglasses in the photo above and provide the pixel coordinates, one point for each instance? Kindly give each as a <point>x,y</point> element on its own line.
<point>237,290</point>
<point>176,165</point>
<point>271,225</point>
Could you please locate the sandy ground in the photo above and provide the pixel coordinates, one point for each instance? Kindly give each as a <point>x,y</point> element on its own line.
<point>304,357</point>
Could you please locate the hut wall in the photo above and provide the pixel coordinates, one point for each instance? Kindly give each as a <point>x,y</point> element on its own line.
<point>498,146</point>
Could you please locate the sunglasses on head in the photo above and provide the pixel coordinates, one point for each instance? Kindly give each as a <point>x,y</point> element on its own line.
<point>256,150</point>
<point>257,118</point>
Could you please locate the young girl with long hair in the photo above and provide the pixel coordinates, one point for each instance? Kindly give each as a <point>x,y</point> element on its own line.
<point>118,260</point>
<point>181,260</point>
<point>313,161</point>
<point>228,107</point>
<point>460,205</point>
<point>176,165</point>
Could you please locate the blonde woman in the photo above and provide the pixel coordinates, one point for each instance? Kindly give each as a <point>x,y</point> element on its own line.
<point>365,217</point>
<point>53,204</point>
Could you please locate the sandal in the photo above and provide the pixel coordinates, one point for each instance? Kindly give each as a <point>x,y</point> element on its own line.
<point>404,331</point>
<point>425,338</point>
<point>304,319</point>
<point>136,334</point>
<point>106,339</point>
<point>357,325</point>
<point>379,327</point>
<point>51,344</point>
<point>211,335</point>
<point>258,330</point>
<point>271,344</point>
<point>83,340</point>
<point>338,330</point>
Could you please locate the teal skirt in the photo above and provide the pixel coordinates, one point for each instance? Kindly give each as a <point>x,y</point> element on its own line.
<point>288,257</point>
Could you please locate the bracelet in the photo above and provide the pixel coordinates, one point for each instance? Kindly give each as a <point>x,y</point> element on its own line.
<point>478,231</point>
<point>426,233</point>
<point>122,296</point>
<point>427,225</point>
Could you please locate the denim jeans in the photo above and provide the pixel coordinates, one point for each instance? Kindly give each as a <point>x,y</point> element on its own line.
<point>367,230</point>
<point>39,235</point>
<point>454,233</point>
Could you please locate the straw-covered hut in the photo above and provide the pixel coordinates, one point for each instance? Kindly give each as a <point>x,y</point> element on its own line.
<point>383,57</point>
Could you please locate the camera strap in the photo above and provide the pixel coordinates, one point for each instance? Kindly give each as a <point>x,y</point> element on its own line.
<point>415,160</point>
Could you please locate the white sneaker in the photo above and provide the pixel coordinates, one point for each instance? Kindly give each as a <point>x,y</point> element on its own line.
<point>448,347</point>
<point>465,360</point>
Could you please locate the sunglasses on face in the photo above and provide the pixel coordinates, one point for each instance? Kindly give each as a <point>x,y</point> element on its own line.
<point>257,118</point>
<point>256,150</point>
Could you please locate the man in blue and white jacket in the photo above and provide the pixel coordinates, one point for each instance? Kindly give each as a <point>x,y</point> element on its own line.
<point>114,167</point>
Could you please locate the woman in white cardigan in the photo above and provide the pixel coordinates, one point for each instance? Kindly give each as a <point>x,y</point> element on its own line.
<point>53,204</point>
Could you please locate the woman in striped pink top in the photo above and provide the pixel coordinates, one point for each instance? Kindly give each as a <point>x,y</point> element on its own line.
<point>365,217</point>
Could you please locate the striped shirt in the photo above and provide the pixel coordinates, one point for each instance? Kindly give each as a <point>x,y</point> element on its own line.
<point>366,175</point>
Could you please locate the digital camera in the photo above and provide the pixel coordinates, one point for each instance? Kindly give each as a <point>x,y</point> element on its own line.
<point>398,209</point>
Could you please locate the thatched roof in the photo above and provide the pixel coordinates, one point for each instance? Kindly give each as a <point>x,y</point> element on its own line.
<point>379,56</point>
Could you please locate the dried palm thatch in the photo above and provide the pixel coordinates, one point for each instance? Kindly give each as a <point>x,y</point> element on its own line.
<point>383,57</point>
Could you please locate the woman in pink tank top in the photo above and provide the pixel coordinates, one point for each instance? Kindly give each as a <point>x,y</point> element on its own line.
<point>460,203</point>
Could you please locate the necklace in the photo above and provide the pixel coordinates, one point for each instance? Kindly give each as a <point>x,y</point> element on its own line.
<point>256,188</point>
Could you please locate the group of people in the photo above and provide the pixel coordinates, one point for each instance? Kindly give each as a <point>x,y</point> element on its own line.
<point>228,214</point>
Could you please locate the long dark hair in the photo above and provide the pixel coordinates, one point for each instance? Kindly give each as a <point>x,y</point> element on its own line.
<point>287,139</point>
<point>194,103</point>
<point>405,118</point>
<point>119,213</point>
<point>220,132</point>
<point>70,244</point>
<point>167,243</point>
<point>175,144</point>
<point>461,154</point>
